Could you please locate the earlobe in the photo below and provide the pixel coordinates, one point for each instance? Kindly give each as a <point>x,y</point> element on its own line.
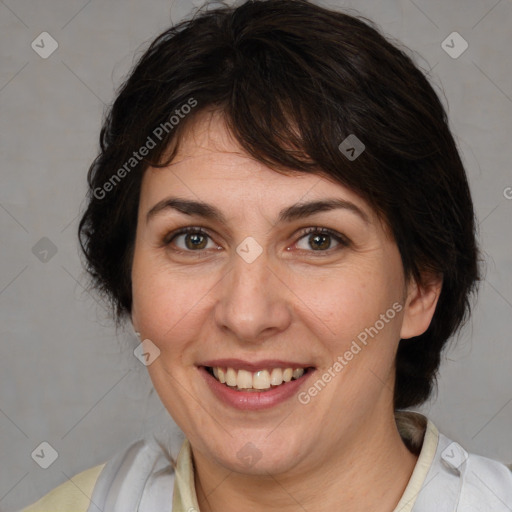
<point>420,305</point>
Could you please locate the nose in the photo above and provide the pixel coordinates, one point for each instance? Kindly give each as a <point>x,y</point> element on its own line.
<point>253,304</point>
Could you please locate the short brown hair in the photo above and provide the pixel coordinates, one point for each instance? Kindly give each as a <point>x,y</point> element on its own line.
<point>293,80</point>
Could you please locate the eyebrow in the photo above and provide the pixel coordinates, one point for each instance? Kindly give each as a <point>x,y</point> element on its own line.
<point>291,213</point>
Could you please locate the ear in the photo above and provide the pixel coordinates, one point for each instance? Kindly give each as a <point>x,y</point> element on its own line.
<point>420,304</point>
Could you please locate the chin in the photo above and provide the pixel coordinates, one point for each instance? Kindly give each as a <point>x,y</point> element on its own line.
<point>259,454</point>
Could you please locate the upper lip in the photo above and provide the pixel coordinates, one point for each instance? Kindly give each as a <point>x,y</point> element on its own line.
<point>253,366</point>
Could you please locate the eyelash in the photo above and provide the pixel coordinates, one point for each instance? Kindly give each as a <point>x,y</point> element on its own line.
<point>343,241</point>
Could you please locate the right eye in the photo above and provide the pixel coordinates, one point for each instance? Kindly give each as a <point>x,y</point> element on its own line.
<point>190,239</point>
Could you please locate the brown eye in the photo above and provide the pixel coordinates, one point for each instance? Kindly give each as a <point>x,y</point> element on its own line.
<point>320,239</point>
<point>190,239</point>
<point>195,241</point>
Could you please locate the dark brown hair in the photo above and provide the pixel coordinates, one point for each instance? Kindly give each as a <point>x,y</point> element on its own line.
<point>293,80</point>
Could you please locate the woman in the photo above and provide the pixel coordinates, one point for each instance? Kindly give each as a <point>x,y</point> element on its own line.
<point>280,210</point>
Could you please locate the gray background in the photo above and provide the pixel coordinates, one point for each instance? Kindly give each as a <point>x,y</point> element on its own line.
<point>66,376</point>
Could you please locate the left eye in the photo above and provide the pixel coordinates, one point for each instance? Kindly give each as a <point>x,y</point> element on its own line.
<point>320,239</point>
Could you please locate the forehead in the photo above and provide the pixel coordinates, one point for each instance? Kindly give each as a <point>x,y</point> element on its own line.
<point>210,165</point>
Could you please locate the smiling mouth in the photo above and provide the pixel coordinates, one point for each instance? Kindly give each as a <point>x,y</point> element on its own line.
<point>259,381</point>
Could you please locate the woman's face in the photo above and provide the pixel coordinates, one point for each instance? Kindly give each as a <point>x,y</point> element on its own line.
<point>259,293</point>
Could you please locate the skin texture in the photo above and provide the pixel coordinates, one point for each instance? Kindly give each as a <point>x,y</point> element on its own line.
<point>341,451</point>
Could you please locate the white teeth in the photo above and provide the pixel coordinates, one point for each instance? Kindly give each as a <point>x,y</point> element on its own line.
<point>276,377</point>
<point>231,377</point>
<point>244,379</point>
<point>288,374</point>
<point>298,372</point>
<point>260,380</point>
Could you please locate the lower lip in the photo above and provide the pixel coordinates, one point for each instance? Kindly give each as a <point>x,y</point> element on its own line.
<point>253,400</point>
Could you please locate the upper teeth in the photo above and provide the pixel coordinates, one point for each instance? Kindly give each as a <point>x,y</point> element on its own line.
<point>262,379</point>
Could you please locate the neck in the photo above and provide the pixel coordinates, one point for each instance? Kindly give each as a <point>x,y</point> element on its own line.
<point>370,472</point>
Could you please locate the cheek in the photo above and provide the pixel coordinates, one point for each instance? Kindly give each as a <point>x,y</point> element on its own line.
<point>360,319</point>
<point>346,301</point>
<point>365,316</point>
<point>167,304</point>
